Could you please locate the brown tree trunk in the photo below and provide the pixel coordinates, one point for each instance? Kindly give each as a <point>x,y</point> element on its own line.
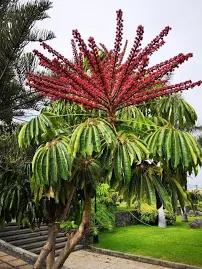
<point>48,249</point>
<point>51,255</point>
<point>74,238</point>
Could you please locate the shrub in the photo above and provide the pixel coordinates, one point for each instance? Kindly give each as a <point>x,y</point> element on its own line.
<point>148,214</point>
<point>104,218</point>
<point>170,217</point>
<point>199,206</point>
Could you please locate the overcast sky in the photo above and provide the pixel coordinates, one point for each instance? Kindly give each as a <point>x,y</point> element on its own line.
<point>98,19</point>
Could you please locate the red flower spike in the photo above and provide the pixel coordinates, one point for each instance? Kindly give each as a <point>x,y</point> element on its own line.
<point>107,82</point>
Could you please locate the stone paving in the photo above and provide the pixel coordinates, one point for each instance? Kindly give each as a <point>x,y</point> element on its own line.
<point>10,262</point>
<point>90,260</point>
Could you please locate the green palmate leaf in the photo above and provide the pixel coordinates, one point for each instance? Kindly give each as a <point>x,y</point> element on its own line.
<point>181,191</point>
<point>52,162</point>
<point>130,150</point>
<point>150,191</point>
<point>53,168</point>
<point>118,163</point>
<point>126,164</point>
<point>96,139</point>
<point>189,114</point>
<point>143,148</point>
<point>132,153</point>
<point>67,152</point>
<point>185,156</point>
<point>194,144</point>
<point>176,151</point>
<point>164,196</point>
<point>106,157</point>
<point>36,167</point>
<point>45,167</point>
<point>159,121</point>
<point>83,142</point>
<point>62,162</point>
<point>168,145</point>
<point>138,154</point>
<point>89,141</point>
<point>86,138</point>
<point>150,141</point>
<point>75,140</point>
<point>177,111</point>
<point>174,147</point>
<point>143,185</point>
<point>128,113</point>
<point>40,164</point>
<point>107,132</point>
<point>37,130</point>
<point>194,152</point>
<point>181,200</point>
<point>160,141</point>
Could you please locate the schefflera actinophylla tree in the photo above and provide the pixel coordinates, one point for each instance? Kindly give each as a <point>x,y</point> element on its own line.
<point>100,80</point>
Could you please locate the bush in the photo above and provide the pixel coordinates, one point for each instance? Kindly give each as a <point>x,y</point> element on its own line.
<point>148,214</point>
<point>104,218</point>
<point>170,217</point>
<point>199,206</point>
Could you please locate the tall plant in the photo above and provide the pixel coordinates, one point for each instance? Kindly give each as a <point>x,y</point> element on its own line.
<point>106,145</point>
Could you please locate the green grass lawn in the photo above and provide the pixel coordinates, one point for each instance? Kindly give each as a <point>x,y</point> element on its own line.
<point>123,207</point>
<point>177,243</point>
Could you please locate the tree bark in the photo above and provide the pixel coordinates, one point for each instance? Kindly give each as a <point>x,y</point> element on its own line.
<point>48,248</point>
<point>161,218</point>
<point>51,255</point>
<point>184,215</point>
<point>48,251</point>
<point>161,214</point>
<point>75,237</point>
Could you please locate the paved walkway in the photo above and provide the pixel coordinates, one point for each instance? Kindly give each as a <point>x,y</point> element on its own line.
<point>90,260</point>
<point>81,259</point>
<point>10,262</point>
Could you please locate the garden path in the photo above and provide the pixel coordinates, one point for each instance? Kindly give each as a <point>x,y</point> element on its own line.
<point>90,260</point>
<point>11,262</point>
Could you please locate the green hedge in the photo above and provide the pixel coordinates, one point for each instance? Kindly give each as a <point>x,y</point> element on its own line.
<point>149,215</point>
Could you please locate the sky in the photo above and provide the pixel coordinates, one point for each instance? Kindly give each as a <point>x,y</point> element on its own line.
<point>98,19</point>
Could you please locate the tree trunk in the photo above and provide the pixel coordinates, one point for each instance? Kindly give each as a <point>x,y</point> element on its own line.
<point>161,214</point>
<point>184,215</point>
<point>48,249</point>
<point>161,218</point>
<point>75,237</point>
<point>51,255</point>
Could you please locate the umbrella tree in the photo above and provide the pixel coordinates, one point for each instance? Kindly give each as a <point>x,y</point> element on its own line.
<point>105,145</point>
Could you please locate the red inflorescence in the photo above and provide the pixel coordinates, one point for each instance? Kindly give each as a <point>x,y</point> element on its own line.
<point>106,82</point>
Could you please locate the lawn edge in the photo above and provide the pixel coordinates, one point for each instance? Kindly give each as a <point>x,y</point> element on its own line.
<point>142,258</point>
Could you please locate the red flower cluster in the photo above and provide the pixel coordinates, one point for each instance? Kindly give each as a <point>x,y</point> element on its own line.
<point>107,83</point>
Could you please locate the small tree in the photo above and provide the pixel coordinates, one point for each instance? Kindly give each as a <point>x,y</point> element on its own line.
<point>106,145</point>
